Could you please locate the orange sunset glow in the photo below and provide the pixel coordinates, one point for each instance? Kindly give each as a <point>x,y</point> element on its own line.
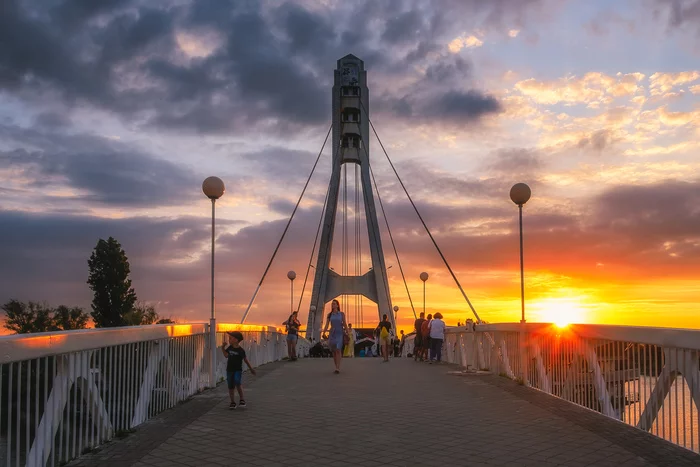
<point>595,106</point>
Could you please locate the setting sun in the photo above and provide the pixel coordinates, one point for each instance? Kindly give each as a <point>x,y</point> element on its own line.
<point>560,311</point>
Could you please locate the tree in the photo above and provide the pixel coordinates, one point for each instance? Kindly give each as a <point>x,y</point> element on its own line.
<point>27,317</point>
<point>143,314</point>
<point>113,296</point>
<point>66,318</point>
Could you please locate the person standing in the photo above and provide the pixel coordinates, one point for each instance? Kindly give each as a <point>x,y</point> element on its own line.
<point>401,343</point>
<point>425,333</point>
<point>350,348</point>
<point>235,355</point>
<point>293,326</point>
<point>384,331</point>
<point>418,340</point>
<point>336,339</point>
<point>437,336</point>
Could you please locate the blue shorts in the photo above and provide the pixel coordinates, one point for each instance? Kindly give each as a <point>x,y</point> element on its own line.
<point>233,378</point>
<point>292,338</point>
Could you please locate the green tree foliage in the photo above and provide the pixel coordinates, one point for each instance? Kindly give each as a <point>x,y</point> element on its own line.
<point>29,317</point>
<point>113,296</point>
<point>67,318</point>
<point>143,314</point>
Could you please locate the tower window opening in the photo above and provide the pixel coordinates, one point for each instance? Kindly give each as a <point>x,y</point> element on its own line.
<point>350,91</point>
<point>351,114</point>
<point>351,140</point>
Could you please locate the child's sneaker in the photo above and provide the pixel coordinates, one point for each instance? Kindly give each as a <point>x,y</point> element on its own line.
<point>232,405</point>
<point>242,404</point>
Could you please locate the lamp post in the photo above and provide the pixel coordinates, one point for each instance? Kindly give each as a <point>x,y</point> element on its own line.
<point>214,189</point>
<point>424,277</point>
<point>520,194</point>
<point>291,275</point>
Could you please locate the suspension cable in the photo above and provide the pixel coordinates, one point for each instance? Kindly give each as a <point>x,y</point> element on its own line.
<point>255,294</point>
<point>391,237</point>
<point>313,248</point>
<point>419,216</point>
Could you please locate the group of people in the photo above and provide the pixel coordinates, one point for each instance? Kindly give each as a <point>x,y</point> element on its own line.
<point>430,334</point>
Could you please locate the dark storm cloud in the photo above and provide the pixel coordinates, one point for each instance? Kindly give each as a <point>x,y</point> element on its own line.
<point>107,172</point>
<point>271,70</point>
<point>461,106</point>
<point>664,211</point>
<point>403,27</point>
<point>444,70</point>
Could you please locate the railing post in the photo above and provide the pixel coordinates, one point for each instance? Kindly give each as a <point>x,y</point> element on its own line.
<point>212,355</point>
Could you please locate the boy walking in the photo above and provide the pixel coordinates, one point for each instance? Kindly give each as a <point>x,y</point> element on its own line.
<point>235,355</point>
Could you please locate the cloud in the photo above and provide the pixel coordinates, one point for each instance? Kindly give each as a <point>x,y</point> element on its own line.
<point>661,83</point>
<point>98,170</point>
<point>461,42</point>
<point>513,33</point>
<point>591,87</point>
<point>460,106</point>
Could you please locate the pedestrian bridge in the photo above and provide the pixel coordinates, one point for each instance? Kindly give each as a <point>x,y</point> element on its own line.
<point>511,394</point>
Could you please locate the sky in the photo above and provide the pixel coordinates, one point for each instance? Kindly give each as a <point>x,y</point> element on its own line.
<point>112,114</point>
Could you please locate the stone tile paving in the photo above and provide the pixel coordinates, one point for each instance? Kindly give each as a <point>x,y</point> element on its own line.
<point>400,414</point>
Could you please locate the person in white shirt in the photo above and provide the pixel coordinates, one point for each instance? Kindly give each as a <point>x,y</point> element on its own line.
<point>437,336</point>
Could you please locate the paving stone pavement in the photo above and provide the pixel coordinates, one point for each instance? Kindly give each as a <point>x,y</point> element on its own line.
<point>400,413</point>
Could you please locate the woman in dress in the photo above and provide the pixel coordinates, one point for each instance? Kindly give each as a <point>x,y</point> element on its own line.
<point>350,348</point>
<point>336,321</point>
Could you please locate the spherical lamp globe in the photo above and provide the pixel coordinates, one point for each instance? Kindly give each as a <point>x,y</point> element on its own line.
<point>424,276</point>
<point>520,193</point>
<point>213,187</point>
<point>291,275</point>
<point>396,308</point>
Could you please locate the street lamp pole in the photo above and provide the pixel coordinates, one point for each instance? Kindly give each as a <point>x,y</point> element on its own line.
<point>291,275</point>
<point>424,278</point>
<point>214,189</point>
<point>520,193</point>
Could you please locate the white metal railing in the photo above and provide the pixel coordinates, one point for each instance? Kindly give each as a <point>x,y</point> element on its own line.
<point>65,393</point>
<point>646,377</point>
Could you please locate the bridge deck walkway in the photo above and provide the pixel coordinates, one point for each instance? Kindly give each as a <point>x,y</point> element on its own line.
<point>401,413</point>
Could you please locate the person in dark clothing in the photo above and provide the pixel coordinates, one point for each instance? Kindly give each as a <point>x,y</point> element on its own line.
<point>235,354</point>
<point>418,340</point>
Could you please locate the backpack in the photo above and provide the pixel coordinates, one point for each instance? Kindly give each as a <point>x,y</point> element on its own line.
<point>383,334</point>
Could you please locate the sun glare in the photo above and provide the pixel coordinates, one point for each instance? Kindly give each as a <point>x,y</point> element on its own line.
<point>560,311</point>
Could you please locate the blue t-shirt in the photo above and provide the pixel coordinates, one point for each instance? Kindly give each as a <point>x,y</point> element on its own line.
<point>235,358</point>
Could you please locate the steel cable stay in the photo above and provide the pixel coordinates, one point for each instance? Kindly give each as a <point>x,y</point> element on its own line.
<point>419,216</point>
<point>391,236</point>
<point>313,248</point>
<point>262,279</point>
